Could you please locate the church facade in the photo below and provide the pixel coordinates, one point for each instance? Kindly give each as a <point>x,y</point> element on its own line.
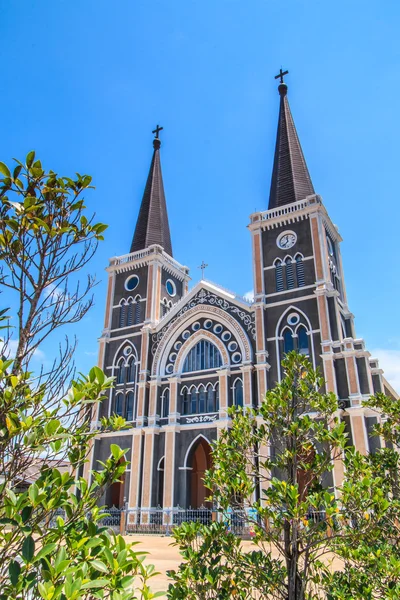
<point>181,358</point>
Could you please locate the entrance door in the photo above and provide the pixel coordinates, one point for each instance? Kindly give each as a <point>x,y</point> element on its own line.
<point>201,461</point>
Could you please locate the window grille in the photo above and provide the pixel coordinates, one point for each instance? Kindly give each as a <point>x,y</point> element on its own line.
<point>122,315</point>
<point>279,277</point>
<point>202,356</point>
<point>289,274</point>
<point>138,312</point>
<point>300,271</point>
<point>129,316</point>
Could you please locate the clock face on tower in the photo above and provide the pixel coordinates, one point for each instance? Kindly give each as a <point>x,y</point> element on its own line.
<point>286,240</point>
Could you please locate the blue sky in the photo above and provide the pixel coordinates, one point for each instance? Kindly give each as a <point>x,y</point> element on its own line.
<point>84,83</point>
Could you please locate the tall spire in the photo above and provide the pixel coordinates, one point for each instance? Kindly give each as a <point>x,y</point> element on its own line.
<point>152,225</point>
<point>291,180</point>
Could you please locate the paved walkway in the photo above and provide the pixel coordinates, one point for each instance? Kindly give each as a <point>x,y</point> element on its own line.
<point>163,556</point>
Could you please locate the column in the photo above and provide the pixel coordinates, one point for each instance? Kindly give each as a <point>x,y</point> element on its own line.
<point>223,393</point>
<point>136,459</point>
<point>154,393</point>
<point>169,466</point>
<point>148,469</point>
<point>174,415</point>
<point>247,385</point>
<point>359,429</point>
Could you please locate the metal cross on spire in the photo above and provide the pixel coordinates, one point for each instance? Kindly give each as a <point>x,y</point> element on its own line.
<point>156,131</point>
<point>202,267</point>
<point>281,75</point>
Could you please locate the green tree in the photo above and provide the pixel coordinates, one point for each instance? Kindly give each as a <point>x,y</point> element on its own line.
<point>52,543</point>
<point>289,446</point>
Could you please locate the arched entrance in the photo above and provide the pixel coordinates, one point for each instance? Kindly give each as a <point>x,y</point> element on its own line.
<point>200,461</point>
<point>116,492</point>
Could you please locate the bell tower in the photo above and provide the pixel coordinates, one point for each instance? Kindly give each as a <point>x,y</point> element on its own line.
<point>300,292</point>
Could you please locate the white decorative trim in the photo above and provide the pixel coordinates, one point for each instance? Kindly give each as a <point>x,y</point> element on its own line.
<point>201,419</point>
<point>162,342</point>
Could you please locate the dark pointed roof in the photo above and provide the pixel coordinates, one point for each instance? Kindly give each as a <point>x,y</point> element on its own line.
<point>152,225</point>
<point>291,180</point>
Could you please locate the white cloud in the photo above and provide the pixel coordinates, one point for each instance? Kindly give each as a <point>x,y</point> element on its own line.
<point>389,361</point>
<point>249,296</point>
<point>54,292</point>
<point>12,346</point>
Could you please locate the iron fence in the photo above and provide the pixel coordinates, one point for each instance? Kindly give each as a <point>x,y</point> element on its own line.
<point>111,518</point>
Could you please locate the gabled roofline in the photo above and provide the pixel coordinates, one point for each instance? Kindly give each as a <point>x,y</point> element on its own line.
<point>211,287</point>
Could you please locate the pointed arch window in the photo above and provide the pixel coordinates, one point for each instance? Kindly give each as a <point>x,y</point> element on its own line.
<point>129,315</point>
<point>204,355</point>
<point>185,401</point>
<point>238,393</point>
<point>210,399</point>
<point>122,314</point>
<point>129,404</point>
<point>121,371</point>
<point>193,401</point>
<point>165,404</point>
<point>300,271</point>
<point>303,341</point>
<point>130,370</point>
<point>279,276</point>
<point>289,274</point>
<point>119,405</point>
<point>138,311</point>
<point>202,400</point>
<point>288,342</point>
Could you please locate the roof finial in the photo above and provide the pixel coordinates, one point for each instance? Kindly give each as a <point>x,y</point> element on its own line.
<point>156,141</point>
<point>282,88</point>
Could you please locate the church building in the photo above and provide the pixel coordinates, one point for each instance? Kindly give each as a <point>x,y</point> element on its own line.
<point>182,357</point>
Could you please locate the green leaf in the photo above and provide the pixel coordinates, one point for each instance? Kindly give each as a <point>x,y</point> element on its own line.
<point>33,493</point>
<point>99,565</point>
<point>28,549</point>
<point>45,551</point>
<point>30,158</point>
<point>14,569</point>
<point>4,170</point>
<point>116,451</point>
<point>11,496</point>
<point>96,583</point>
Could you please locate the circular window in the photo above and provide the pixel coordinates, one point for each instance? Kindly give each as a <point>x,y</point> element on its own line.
<point>218,328</point>
<point>208,324</point>
<point>226,336</point>
<point>186,334</point>
<point>172,356</point>
<point>237,357</point>
<point>196,326</point>
<point>232,346</point>
<point>177,345</point>
<point>171,287</point>
<point>169,368</point>
<point>131,283</point>
<point>293,318</point>
<point>127,350</point>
